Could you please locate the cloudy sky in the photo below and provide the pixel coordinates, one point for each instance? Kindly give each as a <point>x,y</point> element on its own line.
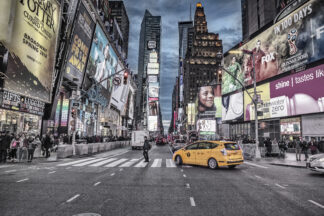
<point>223,17</point>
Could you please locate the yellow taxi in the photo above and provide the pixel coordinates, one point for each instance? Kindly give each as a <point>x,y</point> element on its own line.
<point>210,153</point>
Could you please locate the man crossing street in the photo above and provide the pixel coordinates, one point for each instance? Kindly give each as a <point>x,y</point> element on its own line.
<point>146,148</point>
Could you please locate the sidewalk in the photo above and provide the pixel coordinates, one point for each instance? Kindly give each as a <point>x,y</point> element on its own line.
<point>289,160</point>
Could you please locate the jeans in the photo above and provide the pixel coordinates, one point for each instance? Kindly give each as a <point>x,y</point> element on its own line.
<point>145,154</point>
<point>298,154</point>
<point>31,154</point>
<point>22,153</point>
<point>13,154</point>
<point>305,151</point>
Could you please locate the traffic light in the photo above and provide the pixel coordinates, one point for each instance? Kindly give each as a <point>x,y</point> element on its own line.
<point>219,76</point>
<point>74,112</point>
<point>125,77</point>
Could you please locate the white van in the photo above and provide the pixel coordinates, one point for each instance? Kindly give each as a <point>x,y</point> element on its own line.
<point>138,138</point>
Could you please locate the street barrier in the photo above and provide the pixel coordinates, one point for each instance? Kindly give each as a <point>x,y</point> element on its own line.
<point>64,151</point>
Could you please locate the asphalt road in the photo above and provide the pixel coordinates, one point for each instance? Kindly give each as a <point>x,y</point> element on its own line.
<point>118,183</point>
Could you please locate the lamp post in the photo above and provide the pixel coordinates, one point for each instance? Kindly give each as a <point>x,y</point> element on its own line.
<point>254,98</point>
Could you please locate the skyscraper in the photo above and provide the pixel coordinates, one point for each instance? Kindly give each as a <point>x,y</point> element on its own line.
<point>150,39</point>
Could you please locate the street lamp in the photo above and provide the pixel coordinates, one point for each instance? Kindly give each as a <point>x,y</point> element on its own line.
<point>254,98</point>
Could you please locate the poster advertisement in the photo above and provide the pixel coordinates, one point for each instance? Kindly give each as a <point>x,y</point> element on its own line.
<point>300,93</point>
<point>294,41</point>
<point>102,60</point>
<point>290,126</point>
<point>78,53</point>
<point>154,90</point>
<point>153,68</point>
<point>65,112</point>
<point>152,123</point>
<point>153,108</point>
<point>232,107</point>
<point>31,38</point>
<point>120,92</point>
<point>206,125</point>
<point>191,112</point>
<point>131,102</point>
<point>206,106</point>
<point>152,79</point>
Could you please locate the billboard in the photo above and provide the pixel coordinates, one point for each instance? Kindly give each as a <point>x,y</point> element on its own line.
<point>78,54</point>
<point>294,41</point>
<point>181,89</point>
<point>209,102</point>
<point>232,107</point>
<point>152,79</point>
<point>191,113</point>
<point>131,103</point>
<point>206,125</point>
<point>153,108</point>
<point>153,90</point>
<point>290,126</point>
<point>152,123</point>
<point>299,93</point>
<point>153,58</point>
<point>151,44</point>
<point>120,92</point>
<point>153,68</point>
<point>102,60</point>
<point>29,32</point>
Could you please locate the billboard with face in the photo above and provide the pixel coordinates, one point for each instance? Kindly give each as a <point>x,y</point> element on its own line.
<point>294,41</point>
<point>78,54</point>
<point>206,106</point>
<point>30,35</point>
<point>102,60</point>
<point>232,107</point>
<point>154,90</point>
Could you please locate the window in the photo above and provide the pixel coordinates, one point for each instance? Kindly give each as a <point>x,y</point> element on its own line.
<point>204,145</point>
<point>192,147</point>
<point>213,145</point>
<point>232,146</point>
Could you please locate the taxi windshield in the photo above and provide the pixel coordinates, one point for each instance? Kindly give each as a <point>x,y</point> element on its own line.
<point>231,146</point>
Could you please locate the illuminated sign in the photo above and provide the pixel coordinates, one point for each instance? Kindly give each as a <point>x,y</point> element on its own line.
<point>153,68</point>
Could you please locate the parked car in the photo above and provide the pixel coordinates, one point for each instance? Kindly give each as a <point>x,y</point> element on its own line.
<point>177,144</point>
<point>210,153</point>
<point>316,163</point>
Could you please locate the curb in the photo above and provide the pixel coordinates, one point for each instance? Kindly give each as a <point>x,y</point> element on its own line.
<point>288,165</point>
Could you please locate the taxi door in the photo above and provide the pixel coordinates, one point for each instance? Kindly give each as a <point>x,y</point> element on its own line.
<point>189,154</point>
<point>203,153</point>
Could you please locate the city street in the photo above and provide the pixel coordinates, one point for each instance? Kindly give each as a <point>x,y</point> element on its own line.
<point>120,183</point>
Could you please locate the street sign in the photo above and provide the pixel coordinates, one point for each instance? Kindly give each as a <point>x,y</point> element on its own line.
<point>116,81</point>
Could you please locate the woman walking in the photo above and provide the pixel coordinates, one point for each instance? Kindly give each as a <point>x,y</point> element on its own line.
<point>22,148</point>
<point>13,148</point>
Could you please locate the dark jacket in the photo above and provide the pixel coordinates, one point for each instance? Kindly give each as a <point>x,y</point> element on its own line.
<point>5,142</point>
<point>147,145</point>
<point>47,142</point>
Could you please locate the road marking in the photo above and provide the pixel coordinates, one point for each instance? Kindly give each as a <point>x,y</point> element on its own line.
<point>157,163</point>
<point>116,163</point>
<point>9,171</point>
<point>103,162</point>
<point>129,163</point>
<point>278,185</point>
<point>170,163</point>
<point>258,176</point>
<point>89,162</point>
<point>75,162</point>
<point>112,174</point>
<point>96,184</point>
<point>181,170</point>
<point>184,175</point>
<point>256,165</point>
<point>315,203</point>
<point>22,180</point>
<point>186,166</point>
<point>52,172</point>
<point>141,164</point>
<point>73,198</point>
<point>192,202</point>
<point>188,185</point>
<point>5,166</point>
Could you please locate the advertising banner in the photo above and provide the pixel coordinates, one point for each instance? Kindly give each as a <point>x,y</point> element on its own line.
<point>153,58</point>
<point>102,60</point>
<point>181,88</point>
<point>191,113</point>
<point>65,111</point>
<point>294,41</point>
<point>263,94</point>
<point>153,68</point>
<point>120,92</point>
<point>31,37</point>
<point>299,93</point>
<point>154,90</point>
<point>232,107</point>
<point>152,79</point>
<point>152,123</point>
<point>290,126</point>
<point>206,125</point>
<point>153,99</point>
<point>153,108</point>
<point>206,102</point>
<point>78,54</point>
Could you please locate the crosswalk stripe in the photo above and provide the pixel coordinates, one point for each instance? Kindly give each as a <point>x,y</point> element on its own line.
<point>157,163</point>
<point>170,163</point>
<point>75,162</point>
<point>103,162</point>
<point>141,164</point>
<point>116,163</point>
<point>129,163</point>
<point>89,162</point>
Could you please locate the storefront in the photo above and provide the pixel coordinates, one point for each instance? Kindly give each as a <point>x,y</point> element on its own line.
<point>313,126</point>
<point>19,114</point>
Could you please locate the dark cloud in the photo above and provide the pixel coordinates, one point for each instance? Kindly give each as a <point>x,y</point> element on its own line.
<point>223,17</point>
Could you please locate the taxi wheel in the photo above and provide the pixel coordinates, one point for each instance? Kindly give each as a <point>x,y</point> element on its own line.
<point>178,160</point>
<point>212,163</point>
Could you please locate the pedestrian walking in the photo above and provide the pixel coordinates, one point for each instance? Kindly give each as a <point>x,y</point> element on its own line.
<point>13,148</point>
<point>146,148</point>
<point>298,147</point>
<point>313,146</point>
<point>22,148</point>
<point>32,145</point>
<point>47,143</point>
<point>304,148</point>
<point>268,145</point>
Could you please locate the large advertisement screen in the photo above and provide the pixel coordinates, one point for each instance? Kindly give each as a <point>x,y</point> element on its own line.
<point>191,108</point>
<point>152,123</point>
<point>232,107</point>
<point>153,108</point>
<point>294,41</point>
<point>209,102</point>
<point>78,54</point>
<point>152,79</point>
<point>102,60</point>
<point>154,90</point>
<point>206,125</point>
<point>153,68</point>
<point>290,126</point>
<point>30,36</point>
